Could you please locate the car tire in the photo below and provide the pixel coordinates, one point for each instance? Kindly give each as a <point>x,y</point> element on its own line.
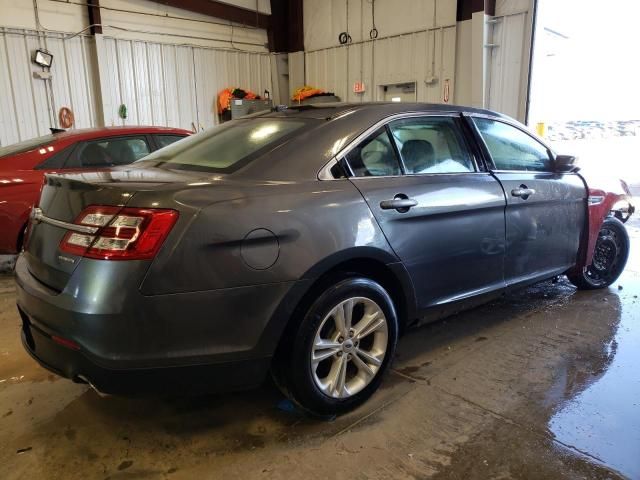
<point>340,351</point>
<point>610,257</point>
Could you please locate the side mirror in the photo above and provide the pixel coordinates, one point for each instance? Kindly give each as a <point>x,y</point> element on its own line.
<point>565,164</point>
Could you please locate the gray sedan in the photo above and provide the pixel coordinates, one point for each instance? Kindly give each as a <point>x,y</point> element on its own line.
<point>299,242</point>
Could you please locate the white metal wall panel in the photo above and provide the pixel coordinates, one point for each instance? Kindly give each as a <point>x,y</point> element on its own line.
<point>43,113</point>
<point>20,77</point>
<point>208,84</point>
<point>127,80</point>
<point>297,69</point>
<point>25,105</point>
<point>188,112</point>
<point>143,88</point>
<point>156,85</point>
<point>508,65</point>
<point>109,83</point>
<point>170,74</point>
<point>174,85</point>
<point>414,57</point>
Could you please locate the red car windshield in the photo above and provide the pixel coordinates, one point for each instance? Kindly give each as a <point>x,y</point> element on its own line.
<point>26,145</point>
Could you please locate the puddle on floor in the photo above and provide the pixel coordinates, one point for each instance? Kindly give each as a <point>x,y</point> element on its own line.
<point>603,420</point>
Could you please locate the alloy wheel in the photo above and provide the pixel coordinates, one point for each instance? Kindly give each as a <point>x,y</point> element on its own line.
<point>349,347</point>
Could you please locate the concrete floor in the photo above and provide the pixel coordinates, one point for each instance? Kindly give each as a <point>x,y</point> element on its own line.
<point>543,384</point>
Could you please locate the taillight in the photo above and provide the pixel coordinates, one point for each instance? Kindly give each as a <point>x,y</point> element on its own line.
<point>122,233</point>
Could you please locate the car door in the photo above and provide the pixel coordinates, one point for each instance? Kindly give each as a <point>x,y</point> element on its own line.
<point>442,215</point>
<point>545,212</point>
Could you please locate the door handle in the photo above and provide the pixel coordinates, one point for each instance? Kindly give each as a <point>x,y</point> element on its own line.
<point>400,203</point>
<point>522,192</point>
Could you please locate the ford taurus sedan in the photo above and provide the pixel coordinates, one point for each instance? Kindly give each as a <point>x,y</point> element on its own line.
<point>23,165</point>
<point>299,242</point>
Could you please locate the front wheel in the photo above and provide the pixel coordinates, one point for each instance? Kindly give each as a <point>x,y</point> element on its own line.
<point>609,258</point>
<point>343,346</point>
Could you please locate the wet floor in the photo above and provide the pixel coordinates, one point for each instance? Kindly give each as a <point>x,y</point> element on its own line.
<point>544,384</point>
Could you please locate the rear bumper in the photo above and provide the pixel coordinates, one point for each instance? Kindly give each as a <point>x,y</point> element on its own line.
<point>219,340</point>
<point>74,365</point>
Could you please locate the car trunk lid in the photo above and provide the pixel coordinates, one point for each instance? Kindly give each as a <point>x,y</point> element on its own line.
<point>62,200</point>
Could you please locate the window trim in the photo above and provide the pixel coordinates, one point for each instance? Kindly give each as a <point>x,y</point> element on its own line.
<point>324,173</point>
<point>66,152</point>
<point>487,154</point>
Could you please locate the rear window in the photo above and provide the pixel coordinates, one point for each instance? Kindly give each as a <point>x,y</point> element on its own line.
<point>26,145</point>
<point>227,147</point>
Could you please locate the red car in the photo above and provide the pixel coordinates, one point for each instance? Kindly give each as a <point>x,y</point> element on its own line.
<point>23,165</point>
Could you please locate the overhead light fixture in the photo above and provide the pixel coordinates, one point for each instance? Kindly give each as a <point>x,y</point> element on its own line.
<point>42,58</point>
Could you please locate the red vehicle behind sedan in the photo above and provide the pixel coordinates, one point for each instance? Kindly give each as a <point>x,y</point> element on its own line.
<point>23,165</point>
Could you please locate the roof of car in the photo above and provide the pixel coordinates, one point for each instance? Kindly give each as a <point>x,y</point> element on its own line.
<point>333,110</point>
<point>121,130</point>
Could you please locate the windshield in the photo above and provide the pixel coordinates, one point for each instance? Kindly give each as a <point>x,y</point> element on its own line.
<point>26,145</point>
<point>227,147</point>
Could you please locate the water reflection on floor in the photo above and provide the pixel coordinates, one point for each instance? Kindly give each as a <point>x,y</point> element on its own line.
<point>603,420</point>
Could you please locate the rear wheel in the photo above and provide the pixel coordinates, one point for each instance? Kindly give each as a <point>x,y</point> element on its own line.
<point>343,346</point>
<point>609,258</point>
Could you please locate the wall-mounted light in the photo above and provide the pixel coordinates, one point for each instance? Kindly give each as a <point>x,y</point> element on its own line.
<point>42,58</point>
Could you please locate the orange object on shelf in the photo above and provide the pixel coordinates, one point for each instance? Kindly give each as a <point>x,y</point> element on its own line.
<point>305,92</point>
<point>225,96</point>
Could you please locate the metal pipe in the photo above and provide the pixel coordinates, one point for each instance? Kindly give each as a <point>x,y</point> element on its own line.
<point>39,26</point>
<point>62,36</point>
<point>137,12</point>
<point>397,35</point>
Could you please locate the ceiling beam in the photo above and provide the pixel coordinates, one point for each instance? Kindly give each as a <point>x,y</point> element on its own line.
<point>286,22</point>
<point>94,17</point>
<point>222,10</point>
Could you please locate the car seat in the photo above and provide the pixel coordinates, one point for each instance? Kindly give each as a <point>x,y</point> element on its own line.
<point>121,152</point>
<point>418,155</point>
<point>94,156</point>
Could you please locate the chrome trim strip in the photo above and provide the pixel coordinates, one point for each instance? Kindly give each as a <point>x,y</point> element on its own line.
<point>37,217</point>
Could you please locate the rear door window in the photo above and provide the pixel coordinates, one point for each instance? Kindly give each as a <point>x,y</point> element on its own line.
<point>109,152</point>
<point>430,145</point>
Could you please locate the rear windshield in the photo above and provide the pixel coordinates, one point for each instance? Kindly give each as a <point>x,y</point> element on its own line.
<point>227,147</point>
<point>26,145</point>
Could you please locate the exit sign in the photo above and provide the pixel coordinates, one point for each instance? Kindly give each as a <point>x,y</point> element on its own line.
<point>358,87</point>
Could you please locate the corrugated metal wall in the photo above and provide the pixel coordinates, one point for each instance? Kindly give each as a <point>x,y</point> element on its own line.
<point>413,57</point>
<point>508,64</point>
<point>25,107</point>
<point>173,85</point>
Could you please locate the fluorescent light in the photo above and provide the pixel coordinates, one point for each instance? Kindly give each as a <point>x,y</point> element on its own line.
<point>396,99</point>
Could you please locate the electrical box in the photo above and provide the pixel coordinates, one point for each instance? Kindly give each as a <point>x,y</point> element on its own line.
<point>242,107</point>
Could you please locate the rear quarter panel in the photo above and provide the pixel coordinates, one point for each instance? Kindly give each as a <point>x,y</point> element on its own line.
<point>228,242</point>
